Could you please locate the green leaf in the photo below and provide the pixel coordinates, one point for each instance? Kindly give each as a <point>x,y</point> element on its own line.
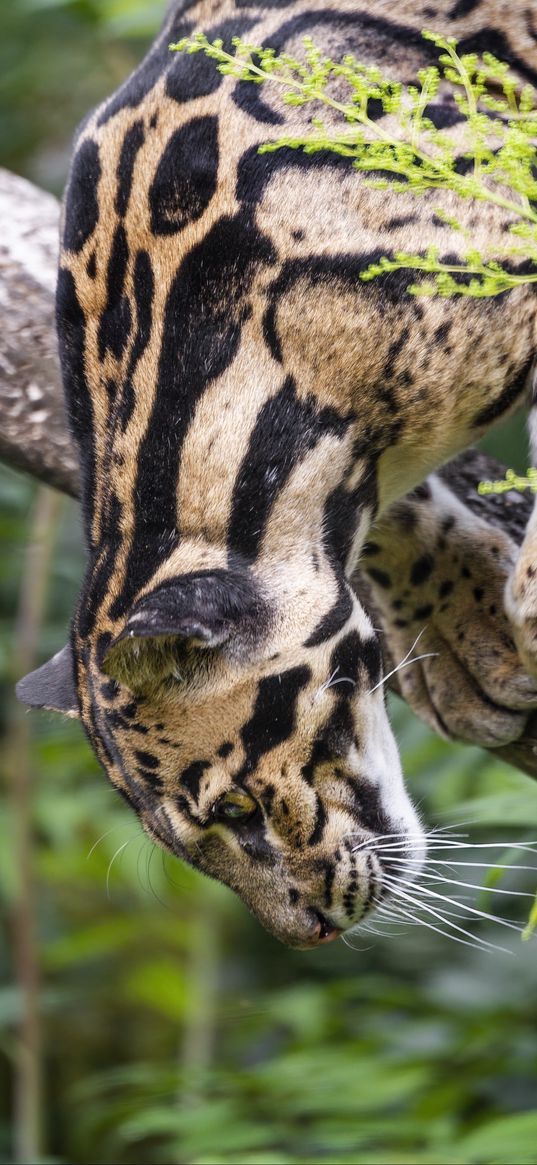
<point>511,1138</point>
<point>531,927</point>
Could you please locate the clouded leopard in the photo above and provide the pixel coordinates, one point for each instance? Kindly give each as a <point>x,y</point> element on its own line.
<point>246,411</point>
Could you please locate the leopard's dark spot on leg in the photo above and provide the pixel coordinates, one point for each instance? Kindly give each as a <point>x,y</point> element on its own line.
<point>442,331</point>
<point>421,569</point>
<point>422,493</point>
<point>423,612</point>
<point>379,576</point>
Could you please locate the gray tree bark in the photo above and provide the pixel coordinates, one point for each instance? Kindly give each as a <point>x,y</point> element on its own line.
<point>34,435</point>
<point>33,429</point>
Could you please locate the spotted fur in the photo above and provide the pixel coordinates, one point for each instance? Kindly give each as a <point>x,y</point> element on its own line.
<point>245,409</point>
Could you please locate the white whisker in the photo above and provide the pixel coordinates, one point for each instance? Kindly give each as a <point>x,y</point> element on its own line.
<point>346,939</point>
<point>325,686</point>
<point>453,902</point>
<point>405,662</point>
<point>438,876</point>
<point>453,863</point>
<point>400,666</point>
<point>331,682</point>
<point>141,850</point>
<point>370,929</point>
<point>406,897</point>
<point>111,863</point>
<point>386,840</point>
<point>405,915</point>
<point>120,825</point>
<point>434,845</point>
<point>484,865</point>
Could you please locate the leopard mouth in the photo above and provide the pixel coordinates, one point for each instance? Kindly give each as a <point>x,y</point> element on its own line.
<point>328,931</point>
<point>322,930</point>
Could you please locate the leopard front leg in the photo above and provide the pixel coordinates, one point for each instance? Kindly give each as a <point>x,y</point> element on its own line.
<point>438,564</point>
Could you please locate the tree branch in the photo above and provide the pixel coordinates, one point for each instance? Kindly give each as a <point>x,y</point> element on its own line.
<point>33,430</point>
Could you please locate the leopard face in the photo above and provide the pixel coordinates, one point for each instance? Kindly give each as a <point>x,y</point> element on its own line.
<point>266,762</point>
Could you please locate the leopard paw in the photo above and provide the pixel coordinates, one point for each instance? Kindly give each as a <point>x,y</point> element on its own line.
<point>485,703</point>
<point>442,598</point>
<point>521,608</point>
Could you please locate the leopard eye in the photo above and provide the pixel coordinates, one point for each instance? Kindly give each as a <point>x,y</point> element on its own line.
<point>234,806</point>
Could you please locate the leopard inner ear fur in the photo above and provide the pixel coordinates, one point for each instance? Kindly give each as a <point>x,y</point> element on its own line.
<point>201,610</point>
<point>246,410</point>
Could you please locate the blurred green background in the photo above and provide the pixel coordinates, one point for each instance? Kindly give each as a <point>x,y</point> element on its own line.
<point>163,1024</point>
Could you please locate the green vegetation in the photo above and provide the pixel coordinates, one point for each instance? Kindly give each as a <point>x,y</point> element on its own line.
<point>497,143</point>
<point>171,1028</point>
<point>511,480</point>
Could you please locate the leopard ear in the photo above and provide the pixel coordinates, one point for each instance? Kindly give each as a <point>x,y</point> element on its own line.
<point>206,607</point>
<point>52,686</point>
<point>203,610</point>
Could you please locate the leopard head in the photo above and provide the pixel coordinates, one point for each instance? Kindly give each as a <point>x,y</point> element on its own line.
<point>251,738</point>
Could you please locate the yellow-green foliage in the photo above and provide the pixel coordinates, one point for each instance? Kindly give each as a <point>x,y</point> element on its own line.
<point>499,129</point>
<point>532,922</point>
<point>512,480</point>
